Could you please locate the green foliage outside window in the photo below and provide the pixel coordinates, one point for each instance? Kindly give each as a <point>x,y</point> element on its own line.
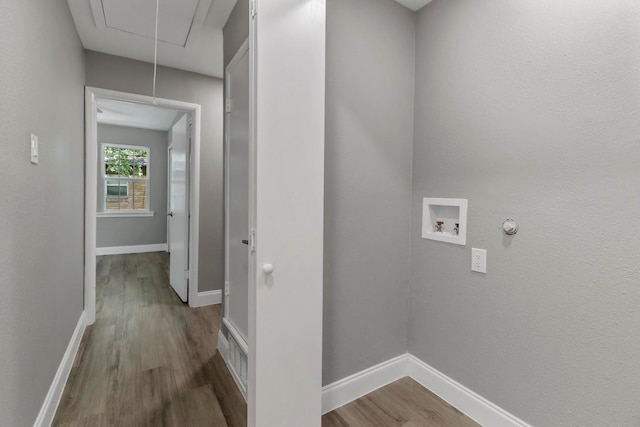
<point>125,162</point>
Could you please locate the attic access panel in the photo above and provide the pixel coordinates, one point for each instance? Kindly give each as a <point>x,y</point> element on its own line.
<point>139,17</point>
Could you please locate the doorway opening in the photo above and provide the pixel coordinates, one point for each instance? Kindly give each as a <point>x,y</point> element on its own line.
<point>127,194</point>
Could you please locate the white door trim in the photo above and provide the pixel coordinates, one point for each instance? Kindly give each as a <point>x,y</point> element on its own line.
<point>91,183</point>
<point>253,126</point>
<point>227,74</point>
<point>169,148</point>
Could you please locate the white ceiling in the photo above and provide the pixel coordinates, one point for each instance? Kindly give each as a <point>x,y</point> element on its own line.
<point>189,31</point>
<point>414,4</point>
<point>135,115</point>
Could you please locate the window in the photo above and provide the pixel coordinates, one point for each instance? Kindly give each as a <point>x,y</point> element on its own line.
<point>117,189</point>
<point>125,178</point>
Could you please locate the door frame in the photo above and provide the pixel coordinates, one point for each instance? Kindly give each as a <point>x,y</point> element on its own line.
<point>91,187</point>
<point>227,153</point>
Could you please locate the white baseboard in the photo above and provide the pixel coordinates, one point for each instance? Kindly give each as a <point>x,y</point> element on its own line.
<point>467,401</point>
<point>223,348</point>
<point>470,403</point>
<point>119,250</point>
<point>357,385</point>
<point>51,401</point>
<point>206,298</point>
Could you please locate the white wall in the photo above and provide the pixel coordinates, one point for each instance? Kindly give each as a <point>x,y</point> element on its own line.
<point>41,249</point>
<point>531,110</point>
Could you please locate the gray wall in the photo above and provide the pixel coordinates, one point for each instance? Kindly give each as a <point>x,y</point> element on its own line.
<point>41,250</point>
<point>531,110</point>
<point>143,230</point>
<point>127,75</point>
<point>236,30</point>
<point>369,137</point>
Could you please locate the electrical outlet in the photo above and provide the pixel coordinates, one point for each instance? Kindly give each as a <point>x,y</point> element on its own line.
<point>479,260</point>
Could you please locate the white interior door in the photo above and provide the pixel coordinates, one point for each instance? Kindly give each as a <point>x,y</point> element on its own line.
<point>178,215</point>
<point>287,51</point>
<point>237,187</point>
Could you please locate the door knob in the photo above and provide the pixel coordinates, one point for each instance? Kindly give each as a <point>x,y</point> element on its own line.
<point>267,269</point>
<point>170,214</point>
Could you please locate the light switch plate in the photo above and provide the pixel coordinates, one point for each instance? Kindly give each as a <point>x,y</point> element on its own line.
<point>479,260</point>
<point>34,149</point>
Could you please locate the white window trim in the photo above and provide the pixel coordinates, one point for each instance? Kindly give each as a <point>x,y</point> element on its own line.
<point>124,214</point>
<point>104,213</point>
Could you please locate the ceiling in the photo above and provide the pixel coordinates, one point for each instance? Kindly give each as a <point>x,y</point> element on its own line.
<point>189,31</point>
<point>414,4</point>
<point>134,115</point>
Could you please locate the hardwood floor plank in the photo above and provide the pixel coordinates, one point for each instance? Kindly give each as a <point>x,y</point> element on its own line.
<point>333,419</point>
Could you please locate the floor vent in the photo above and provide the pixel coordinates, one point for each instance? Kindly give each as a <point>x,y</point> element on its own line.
<point>238,360</point>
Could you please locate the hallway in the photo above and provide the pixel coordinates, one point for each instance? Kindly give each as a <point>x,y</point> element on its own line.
<point>149,359</point>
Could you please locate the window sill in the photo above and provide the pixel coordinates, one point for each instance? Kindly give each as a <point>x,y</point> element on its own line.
<point>125,214</point>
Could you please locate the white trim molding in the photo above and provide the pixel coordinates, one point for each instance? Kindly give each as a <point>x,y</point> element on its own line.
<point>467,401</point>
<point>52,400</point>
<point>207,298</point>
<point>139,249</point>
<point>91,187</point>
<point>125,214</point>
<point>357,385</point>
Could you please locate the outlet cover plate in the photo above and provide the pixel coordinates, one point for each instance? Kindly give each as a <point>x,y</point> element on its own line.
<point>479,260</point>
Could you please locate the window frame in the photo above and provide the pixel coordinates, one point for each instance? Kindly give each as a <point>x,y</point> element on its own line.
<point>104,212</point>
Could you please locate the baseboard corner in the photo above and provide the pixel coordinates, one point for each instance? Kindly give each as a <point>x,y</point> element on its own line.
<point>465,400</point>
<point>348,389</point>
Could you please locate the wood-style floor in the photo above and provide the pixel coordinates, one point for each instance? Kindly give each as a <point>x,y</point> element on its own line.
<point>149,359</point>
<point>403,403</point>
